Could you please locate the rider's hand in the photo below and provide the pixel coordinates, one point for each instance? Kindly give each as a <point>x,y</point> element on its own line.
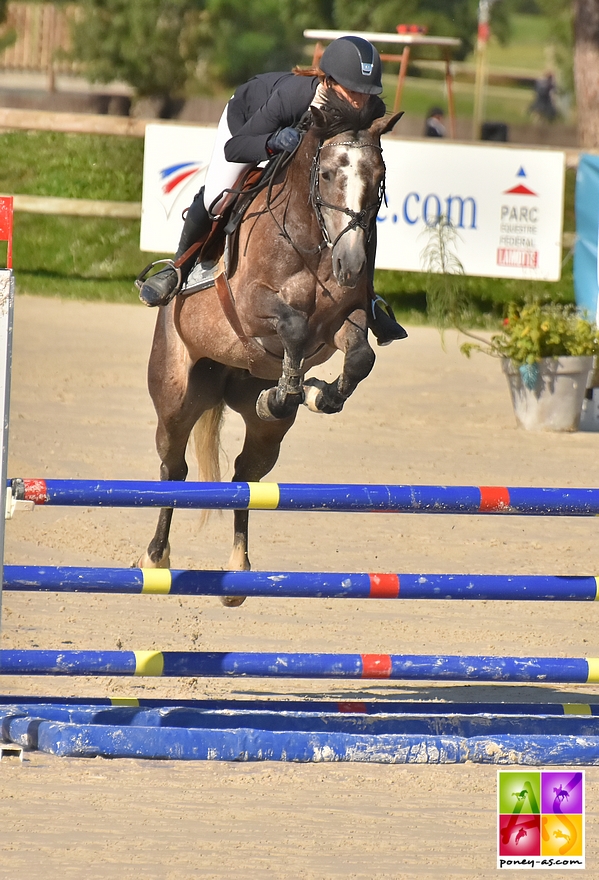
<point>283,141</point>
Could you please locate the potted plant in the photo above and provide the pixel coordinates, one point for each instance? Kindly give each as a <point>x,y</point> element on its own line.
<point>547,352</point>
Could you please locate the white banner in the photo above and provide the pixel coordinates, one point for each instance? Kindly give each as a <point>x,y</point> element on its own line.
<point>175,162</point>
<point>505,204</point>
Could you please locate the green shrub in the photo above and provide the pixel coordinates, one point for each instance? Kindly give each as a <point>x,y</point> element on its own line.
<point>539,330</point>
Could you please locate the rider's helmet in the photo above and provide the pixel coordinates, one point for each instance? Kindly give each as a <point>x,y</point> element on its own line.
<point>354,63</point>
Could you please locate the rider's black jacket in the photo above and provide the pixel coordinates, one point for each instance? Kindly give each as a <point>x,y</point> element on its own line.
<point>263,105</point>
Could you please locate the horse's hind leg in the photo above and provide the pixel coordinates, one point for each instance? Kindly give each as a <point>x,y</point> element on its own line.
<point>258,456</point>
<point>180,400</point>
<point>171,443</point>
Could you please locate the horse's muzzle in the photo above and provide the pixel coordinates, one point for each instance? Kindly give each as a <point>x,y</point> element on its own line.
<point>348,273</point>
<point>349,258</point>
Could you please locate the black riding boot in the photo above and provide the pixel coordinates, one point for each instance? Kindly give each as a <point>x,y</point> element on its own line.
<point>162,287</point>
<point>381,320</point>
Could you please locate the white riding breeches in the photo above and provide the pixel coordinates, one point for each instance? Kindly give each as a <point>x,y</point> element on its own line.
<point>221,174</point>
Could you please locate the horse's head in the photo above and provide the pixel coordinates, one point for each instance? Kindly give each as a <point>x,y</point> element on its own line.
<point>347,183</point>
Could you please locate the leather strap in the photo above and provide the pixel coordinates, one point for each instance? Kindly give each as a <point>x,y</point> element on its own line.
<point>189,252</point>
<point>225,295</point>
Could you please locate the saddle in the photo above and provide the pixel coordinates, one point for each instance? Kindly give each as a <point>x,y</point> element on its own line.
<point>217,253</point>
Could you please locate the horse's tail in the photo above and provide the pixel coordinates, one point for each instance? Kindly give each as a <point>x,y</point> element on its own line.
<point>206,441</point>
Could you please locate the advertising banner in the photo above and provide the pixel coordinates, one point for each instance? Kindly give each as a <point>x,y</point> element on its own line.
<point>505,204</point>
<point>586,278</point>
<point>175,162</point>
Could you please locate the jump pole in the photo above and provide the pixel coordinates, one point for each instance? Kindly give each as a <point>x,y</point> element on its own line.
<point>403,667</point>
<point>7,297</point>
<point>300,584</point>
<point>33,704</point>
<point>350,497</point>
<point>193,734</point>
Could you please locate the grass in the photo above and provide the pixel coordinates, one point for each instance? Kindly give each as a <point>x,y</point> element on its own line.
<point>406,291</point>
<point>528,47</point>
<point>528,50</point>
<point>74,257</point>
<point>47,163</point>
<point>506,104</point>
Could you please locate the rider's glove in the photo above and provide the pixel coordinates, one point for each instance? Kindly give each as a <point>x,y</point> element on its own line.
<point>283,141</point>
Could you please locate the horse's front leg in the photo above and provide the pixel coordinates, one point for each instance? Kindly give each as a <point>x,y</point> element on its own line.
<point>352,339</point>
<point>259,455</point>
<point>282,401</point>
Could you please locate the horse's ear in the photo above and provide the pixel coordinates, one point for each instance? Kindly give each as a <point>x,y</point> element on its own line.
<point>385,124</point>
<point>318,118</point>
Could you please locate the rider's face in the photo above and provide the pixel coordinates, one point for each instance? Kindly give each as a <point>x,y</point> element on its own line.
<point>356,99</point>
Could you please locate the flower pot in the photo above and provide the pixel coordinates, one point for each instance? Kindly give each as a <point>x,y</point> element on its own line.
<point>548,396</point>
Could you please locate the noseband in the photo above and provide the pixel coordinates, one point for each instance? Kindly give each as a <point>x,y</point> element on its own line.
<point>357,219</point>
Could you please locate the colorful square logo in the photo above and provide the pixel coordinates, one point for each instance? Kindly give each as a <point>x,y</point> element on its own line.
<point>540,819</point>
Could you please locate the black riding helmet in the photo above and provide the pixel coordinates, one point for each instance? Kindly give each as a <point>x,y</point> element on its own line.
<point>354,63</point>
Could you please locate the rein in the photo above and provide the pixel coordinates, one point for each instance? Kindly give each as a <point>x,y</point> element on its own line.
<point>357,218</point>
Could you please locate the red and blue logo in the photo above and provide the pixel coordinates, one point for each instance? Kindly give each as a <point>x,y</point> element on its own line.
<point>175,175</point>
<point>520,189</point>
<point>174,180</point>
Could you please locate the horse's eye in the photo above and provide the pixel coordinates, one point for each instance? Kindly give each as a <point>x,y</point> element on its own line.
<point>326,175</point>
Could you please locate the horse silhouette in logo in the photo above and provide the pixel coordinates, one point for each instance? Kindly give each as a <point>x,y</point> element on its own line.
<point>522,833</point>
<point>561,835</point>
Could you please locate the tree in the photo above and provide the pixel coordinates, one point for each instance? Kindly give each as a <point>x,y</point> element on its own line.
<point>586,71</point>
<point>160,46</point>
<point>152,45</point>
<point>8,35</point>
<point>244,37</point>
<point>444,18</point>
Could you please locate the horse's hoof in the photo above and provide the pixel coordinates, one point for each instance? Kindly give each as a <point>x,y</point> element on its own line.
<point>269,409</point>
<point>263,408</point>
<point>321,397</point>
<point>146,561</point>
<point>313,394</point>
<point>232,601</point>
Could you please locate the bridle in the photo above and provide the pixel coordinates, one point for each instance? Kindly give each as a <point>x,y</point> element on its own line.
<point>361,219</point>
<point>358,219</point>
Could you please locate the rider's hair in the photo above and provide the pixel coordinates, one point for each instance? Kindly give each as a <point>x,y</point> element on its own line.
<point>309,71</point>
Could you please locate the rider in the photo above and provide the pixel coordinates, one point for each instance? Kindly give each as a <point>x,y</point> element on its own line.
<point>258,122</point>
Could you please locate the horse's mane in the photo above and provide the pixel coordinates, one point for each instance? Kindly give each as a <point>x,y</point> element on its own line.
<point>340,116</point>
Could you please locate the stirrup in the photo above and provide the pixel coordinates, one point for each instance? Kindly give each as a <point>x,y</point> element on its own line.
<point>142,277</point>
<point>377,300</point>
<point>201,277</point>
<point>384,325</point>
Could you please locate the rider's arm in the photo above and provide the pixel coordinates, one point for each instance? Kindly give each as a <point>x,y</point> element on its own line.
<point>285,107</point>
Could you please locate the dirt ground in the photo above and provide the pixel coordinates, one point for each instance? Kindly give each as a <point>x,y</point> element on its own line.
<point>425,415</point>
